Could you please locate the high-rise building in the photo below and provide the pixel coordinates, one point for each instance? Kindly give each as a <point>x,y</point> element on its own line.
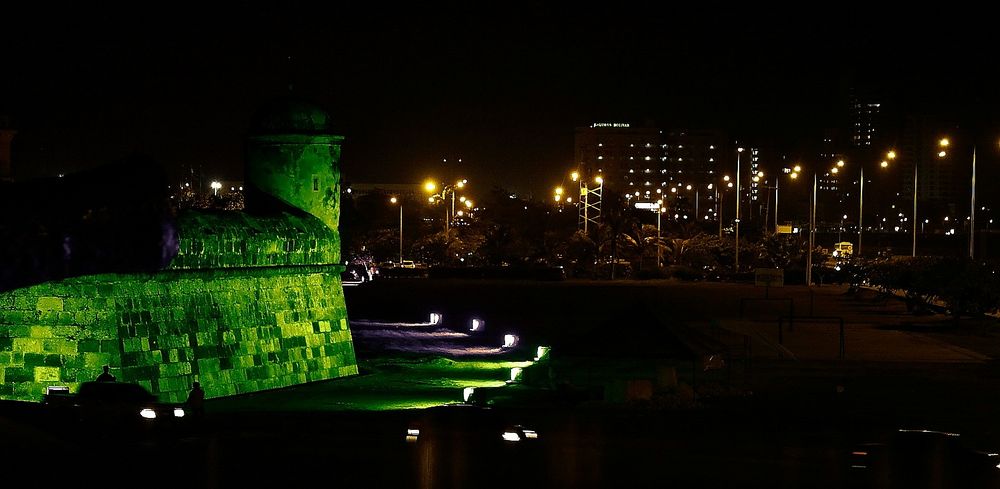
<point>629,158</point>
<point>864,112</point>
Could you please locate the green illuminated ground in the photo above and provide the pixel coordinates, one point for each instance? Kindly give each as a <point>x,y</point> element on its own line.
<point>386,383</point>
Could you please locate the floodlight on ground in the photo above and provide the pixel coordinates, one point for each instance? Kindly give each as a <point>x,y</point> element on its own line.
<point>515,374</point>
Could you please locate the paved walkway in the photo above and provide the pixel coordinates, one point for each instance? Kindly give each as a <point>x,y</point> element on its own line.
<point>874,330</point>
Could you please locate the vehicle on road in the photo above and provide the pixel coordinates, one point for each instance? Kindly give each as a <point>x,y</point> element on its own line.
<point>357,273</point>
<point>922,458</point>
<point>114,406</point>
<point>407,264</point>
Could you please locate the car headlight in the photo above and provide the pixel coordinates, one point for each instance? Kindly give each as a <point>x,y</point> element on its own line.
<point>147,413</point>
<point>511,436</point>
<point>178,412</point>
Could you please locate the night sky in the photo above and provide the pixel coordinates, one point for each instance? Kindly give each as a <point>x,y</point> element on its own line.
<point>502,89</point>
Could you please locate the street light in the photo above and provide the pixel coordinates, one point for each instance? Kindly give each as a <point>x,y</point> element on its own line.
<point>431,187</point>
<point>659,212</point>
<point>891,155</point>
<point>739,151</point>
<point>215,187</point>
<point>394,200</point>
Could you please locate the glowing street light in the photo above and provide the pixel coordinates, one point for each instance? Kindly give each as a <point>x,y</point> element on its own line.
<point>575,176</point>
<point>215,187</point>
<point>736,226</point>
<point>394,200</point>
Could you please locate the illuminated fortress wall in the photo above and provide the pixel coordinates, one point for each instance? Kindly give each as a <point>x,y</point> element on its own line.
<point>236,331</point>
<point>251,301</point>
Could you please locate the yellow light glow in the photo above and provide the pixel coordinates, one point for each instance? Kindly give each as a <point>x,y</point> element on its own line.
<point>891,155</point>
<point>756,178</point>
<point>834,170</point>
<point>730,184</point>
<point>885,164</point>
<point>942,154</point>
<point>794,176</point>
<point>460,213</point>
<point>430,186</point>
<point>460,184</point>
<point>558,197</point>
<point>688,187</point>
<point>393,200</point>
<point>725,178</point>
<point>760,174</point>
<point>468,203</point>
<point>599,180</point>
<point>673,190</point>
<point>944,142</point>
<point>663,209</point>
<point>575,176</point>
<point>559,190</point>
<point>461,199</point>
<point>569,200</point>
<point>840,163</point>
<point>430,199</point>
<point>797,169</point>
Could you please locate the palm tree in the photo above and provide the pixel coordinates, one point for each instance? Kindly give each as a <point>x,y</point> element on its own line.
<point>610,233</point>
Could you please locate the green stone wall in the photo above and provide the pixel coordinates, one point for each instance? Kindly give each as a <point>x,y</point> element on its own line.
<point>235,330</point>
<point>237,239</point>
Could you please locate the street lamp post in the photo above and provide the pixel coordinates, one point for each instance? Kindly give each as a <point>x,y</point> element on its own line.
<point>812,234</point>
<point>737,225</point>
<point>891,155</point>
<point>972,214</point>
<point>395,200</point>
<point>430,186</point>
<point>914,250</point>
<point>659,253</point>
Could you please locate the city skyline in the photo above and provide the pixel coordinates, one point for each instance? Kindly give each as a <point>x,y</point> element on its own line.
<point>503,93</point>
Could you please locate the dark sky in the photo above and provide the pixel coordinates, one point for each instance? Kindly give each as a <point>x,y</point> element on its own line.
<point>501,89</point>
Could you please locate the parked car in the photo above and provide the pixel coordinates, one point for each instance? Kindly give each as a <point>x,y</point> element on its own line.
<point>356,273</point>
<point>407,264</point>
<point>114,406</point>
